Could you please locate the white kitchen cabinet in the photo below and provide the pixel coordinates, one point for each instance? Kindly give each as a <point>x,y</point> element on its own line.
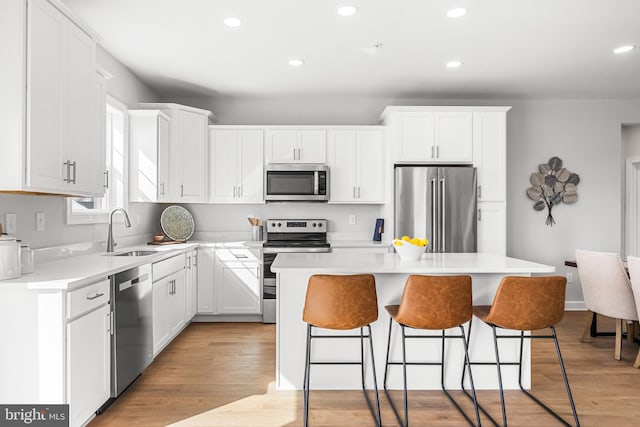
<point>355,159</point>
<point>296,146</point>
<point>188,159</point>
<point>492,236</point>
<point>429,135</point>
<point>169,300</point>
<point>88,351</point>
<point>149,156</point>
<point>205,280</point>
<point>191,286</point>
<point>237,165</point>
<point>489,145</point>
<point>237,281</point>
<point>49,135</point>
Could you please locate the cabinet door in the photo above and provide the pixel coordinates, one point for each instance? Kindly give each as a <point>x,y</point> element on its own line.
<point>453,137</point>
<point>193,301</point>
<point>163,158</point>
<point>191,151</point>
<point>237,282</point>
<point>205,280</point>
<point>416,137</point>
<point>312,146</point>
<point>86,172</point>
<point>224,151</point>
<point>342,165</point>
<point>250,166</point>
<point>282,146</point>
<point>161,294</point>
<point>489,146</point>
<point>492,228</point>
<point>88,364</point>
<point>46,68</point>
<point>370,170</point>
<point>98,160</point>
<point>177,303</point>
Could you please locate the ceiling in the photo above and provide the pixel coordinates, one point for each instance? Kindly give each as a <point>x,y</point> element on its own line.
<point>509,48</point>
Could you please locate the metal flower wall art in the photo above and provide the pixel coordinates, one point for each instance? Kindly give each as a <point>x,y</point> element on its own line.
<point>552,185</point>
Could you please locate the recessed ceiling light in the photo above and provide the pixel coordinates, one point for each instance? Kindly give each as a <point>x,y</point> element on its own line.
<point>624,49</point>
<point>347,10</point>
<point>453,64</point>
<point>456,12</point>
<point>296,62</point>
<point>232,22</point>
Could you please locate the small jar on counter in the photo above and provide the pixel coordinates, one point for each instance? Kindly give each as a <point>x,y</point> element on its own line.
<point>26,258</point>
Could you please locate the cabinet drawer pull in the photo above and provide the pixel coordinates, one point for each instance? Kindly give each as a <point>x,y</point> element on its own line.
<point>106,184</point>
<point>240,256</point>
<point>294,153</point>
<point>73,181</point>
<point>162,185</point>
<point>67,178</point>
<point>98,295</point>
<point>358,192</point>
<point>437,151</point>
<point>299,156</point>
<point>479,214</point>
<point>181,190</point>
<point>479,191</point>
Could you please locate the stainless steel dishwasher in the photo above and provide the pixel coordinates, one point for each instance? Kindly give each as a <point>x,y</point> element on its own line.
<point>132,339</point>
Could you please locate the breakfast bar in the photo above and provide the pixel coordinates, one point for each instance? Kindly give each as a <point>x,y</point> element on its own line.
<point>293,271</point>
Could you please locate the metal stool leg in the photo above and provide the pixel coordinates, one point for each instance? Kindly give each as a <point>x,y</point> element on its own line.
<point>504,411</point>
<point>305,384</point>
<point>473,388</point>
<point>564,377</point>
<point>386,377</point>
<point>375,380</point>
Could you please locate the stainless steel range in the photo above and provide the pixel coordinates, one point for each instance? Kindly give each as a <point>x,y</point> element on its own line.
<point>288,235</point>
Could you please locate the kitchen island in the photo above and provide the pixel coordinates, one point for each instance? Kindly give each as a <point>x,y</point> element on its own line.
<point>293,272</point>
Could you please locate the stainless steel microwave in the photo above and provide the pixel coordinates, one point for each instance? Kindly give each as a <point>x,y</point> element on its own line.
<point>296,182</point>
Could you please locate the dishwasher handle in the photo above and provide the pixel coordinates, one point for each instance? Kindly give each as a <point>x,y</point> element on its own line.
<point>130,283</point>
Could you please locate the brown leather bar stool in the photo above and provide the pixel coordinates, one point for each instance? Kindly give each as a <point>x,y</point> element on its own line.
<point>431,303</point>
<point>341,303</point>
<point>526,304</point>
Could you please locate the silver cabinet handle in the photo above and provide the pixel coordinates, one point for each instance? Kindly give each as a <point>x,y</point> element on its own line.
<point>189,262</point>
<point>354,192</point>
<point>432,152</point>
<point>437,151</point>
<point>433,213</point>
<point>98,295</point>
<point>444,214</point>
<point>181,190</point>
<point>73,164</point>
<point>479,191</point>
<point>358,192</point>
<point>240,256</point>
<point>106,177</point>
<point>111,322</point>
<point>479,214</point>
<point>67,178</point>
<point>239,191</point>
<point>234,191</point>
<point>162,186</point>
<point>294,153</point>
<point>299,156</point>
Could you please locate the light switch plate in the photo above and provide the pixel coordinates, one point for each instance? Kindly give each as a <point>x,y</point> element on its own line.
<point>352,219</point>
<point>569,277</point>
<point>40,221</point>
<point>10,221</point>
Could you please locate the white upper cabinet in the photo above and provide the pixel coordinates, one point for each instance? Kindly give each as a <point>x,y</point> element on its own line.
<point>356,166</point>
<point>296,146</point>
<point>430,136</point>
<point>489,139</point>
<point>237,165</point>
<point>188,149</point>
<point>57,153</point>
<point>148,156</point>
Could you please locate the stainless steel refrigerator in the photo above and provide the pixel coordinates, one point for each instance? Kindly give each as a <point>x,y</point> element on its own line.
<point>438,203</point>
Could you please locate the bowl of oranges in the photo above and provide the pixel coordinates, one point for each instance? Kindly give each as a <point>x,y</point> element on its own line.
<point>410,249</point>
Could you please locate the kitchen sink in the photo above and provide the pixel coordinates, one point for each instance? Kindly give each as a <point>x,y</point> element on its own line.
<point>136,253</point>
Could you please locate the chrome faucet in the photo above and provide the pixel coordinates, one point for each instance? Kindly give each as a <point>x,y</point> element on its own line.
<point>110,242</point>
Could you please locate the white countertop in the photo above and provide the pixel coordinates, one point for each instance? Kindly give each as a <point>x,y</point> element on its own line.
<point>358,244</point>
<point>468,263</point>
<point>73,272</point>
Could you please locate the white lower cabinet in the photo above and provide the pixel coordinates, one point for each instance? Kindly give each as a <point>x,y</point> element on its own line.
<point>169,300</point>
<point>191,286</point>
<point>237,282</point>
<point>88,351</point>
<point>491,228</point>
<point>206,258</point>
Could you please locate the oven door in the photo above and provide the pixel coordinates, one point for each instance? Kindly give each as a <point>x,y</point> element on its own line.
<point>268,289</point>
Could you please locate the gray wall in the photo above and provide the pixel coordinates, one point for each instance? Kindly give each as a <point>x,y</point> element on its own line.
<point>129,89</point>
<point>586,134</point>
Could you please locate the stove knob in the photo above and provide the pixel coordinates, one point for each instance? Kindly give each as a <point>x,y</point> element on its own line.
<point>279,224</point>
<point>314,225</point>
<point>273,224</point>
<point>319,224</point>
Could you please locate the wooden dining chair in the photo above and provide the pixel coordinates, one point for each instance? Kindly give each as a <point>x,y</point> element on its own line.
<point>607,291</point>
<point>634,274</point>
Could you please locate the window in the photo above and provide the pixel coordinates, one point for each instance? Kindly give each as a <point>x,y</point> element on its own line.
<point>87,210</point>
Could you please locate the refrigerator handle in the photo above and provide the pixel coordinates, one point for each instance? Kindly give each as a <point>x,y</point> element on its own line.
<point>433,215</point>
<point>443,193</point>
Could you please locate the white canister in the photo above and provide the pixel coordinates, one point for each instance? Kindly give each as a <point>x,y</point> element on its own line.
<point>26,258</point>
<point>10,267</point>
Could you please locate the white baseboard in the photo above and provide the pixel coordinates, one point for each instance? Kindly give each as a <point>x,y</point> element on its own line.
<point>228,318</point>
<point>574,306</point>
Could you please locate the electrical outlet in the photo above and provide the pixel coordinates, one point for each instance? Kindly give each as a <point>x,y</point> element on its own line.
<point>40,221</point>
<point>569,277</point>
<point>352,219</point>
<point>10,220</point>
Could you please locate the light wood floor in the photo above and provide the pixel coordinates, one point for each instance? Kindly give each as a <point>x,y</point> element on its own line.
<point>218,374</point>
